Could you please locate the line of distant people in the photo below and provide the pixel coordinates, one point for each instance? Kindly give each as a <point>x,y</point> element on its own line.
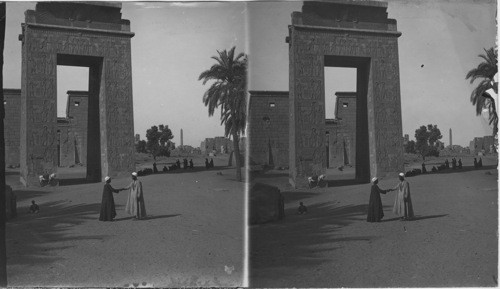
<point>175,166</point>
<point>455,164</point>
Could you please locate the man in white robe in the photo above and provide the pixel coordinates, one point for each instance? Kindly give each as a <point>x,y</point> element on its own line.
<point>402,204</point>
<point>135,203</point>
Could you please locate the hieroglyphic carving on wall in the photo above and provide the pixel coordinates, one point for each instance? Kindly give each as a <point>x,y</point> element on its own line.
<point>381,50</point>
<point>39,77</point>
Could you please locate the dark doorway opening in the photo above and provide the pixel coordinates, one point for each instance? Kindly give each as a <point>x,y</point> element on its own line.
<point>79,146</point>
<point>346,118</point>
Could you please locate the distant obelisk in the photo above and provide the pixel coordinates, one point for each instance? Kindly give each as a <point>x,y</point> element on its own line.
<point>451,143</point>
<point>182,139</point>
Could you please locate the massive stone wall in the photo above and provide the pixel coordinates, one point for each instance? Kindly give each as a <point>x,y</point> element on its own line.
<point>341,132</point>
<point>77,114</point>
<point>12,123</point>
<point>66,143</point>
<point>269,125</point>
<point>316,41</point>
<point>105,48</point>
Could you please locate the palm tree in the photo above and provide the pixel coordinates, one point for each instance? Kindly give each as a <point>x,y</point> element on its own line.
<point>228,91</point>
<point>479,97</point>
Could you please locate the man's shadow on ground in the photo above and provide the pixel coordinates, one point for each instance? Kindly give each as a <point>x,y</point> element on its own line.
<point>416,218</point>
<point>152,217</point>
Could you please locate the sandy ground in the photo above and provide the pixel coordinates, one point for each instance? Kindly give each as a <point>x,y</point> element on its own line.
<point>193,237</point>
<point>452,242</point>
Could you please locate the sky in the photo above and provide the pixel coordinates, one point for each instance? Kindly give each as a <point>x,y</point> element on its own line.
<point>174,43</point>
<point>444,36</point>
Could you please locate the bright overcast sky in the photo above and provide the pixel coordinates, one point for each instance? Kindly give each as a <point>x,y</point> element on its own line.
<point>444,36</point>
<point>174,42</point>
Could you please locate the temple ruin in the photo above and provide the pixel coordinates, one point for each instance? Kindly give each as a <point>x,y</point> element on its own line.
<point>85,34</point>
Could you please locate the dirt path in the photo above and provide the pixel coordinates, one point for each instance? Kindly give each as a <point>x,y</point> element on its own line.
<point>194,236</point>
<point>453,241</point>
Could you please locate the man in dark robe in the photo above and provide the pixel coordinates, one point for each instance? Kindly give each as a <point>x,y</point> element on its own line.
<point>480,163</point>
<point>424,170</point>
<point>459,163</point>
<point>211,163</point>
<point>475,163</point>
<point>178,163</point>
<point>446,163</point>
<point>191,164</point>
<point>454,163</point>
<point>207,165</point>
<point>185,161</point>
<point>108,211</point>
<point>375,209</point>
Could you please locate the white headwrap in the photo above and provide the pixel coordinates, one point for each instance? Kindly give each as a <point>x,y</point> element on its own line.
<point>374,179</point>
<point>106,178</point>
<point>134,174</point>
<point>402,175</point>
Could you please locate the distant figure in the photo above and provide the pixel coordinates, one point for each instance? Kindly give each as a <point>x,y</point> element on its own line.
<point>207,164</point>
<point>185,161</point>
<point>475,163</point>
<point>34,209</point>
<point>402,204</point>
<point>155,169</point>
<point>135,203</point>
<point>480,163</point>
<point>302,209</point>
<point>459,163</point>
<point>434,169</point>
<point>211,163</point>
<point>375,209</point>
<point>191,165</point>
<point>424,170</point>
<point>108,211</point>
<point>447,164</point>
<point>178,163</point>
<point>454,163</point>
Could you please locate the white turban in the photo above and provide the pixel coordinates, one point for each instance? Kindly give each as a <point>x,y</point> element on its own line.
<point>134,174</point>
<point>374,179</point>
<point>106,178</point>
<point>401,175</point>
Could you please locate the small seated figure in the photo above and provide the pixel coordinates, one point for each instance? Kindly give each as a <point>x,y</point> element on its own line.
<point>34,209</point>
<point>302,209</point>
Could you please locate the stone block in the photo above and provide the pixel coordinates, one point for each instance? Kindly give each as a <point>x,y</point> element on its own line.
<point>266,204</point>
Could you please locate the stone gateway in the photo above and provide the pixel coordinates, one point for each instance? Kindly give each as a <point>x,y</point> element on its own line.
<point>86,34</point>
<point>354,34</point>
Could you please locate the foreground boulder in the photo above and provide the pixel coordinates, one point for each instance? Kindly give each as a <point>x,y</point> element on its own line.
<point>266,204</point>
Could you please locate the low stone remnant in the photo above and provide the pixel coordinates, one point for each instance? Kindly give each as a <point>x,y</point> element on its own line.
<point>267,204</point>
